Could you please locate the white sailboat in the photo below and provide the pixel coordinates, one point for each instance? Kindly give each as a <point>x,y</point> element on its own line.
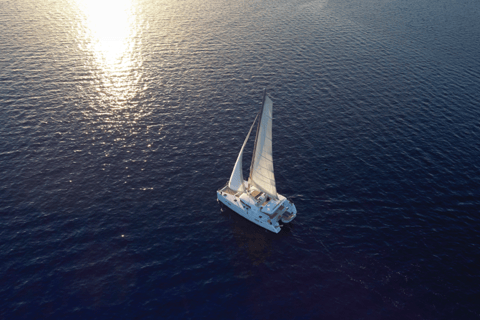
<point>257,199</point>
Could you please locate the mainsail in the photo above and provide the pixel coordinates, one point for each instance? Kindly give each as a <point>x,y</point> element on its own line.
<point>261,169</point>
<point>236,179</point>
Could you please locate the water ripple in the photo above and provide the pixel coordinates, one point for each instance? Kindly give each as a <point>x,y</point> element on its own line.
<point>119,123</point>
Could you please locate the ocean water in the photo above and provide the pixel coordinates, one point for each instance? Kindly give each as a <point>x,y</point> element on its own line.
<point>119,120</point>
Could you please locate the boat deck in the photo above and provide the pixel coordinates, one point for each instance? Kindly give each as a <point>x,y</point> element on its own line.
<point>229,191</point>
<point>253,199</point>
<point>256,194</point>
<point>280,210</point>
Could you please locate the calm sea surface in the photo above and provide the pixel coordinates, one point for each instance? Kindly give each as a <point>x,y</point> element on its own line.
<point>120,119</point>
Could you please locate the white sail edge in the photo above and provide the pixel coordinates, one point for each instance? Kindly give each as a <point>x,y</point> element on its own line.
<point>236,179</point>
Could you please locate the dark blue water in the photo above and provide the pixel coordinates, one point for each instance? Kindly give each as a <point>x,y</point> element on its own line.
<point>119,121</point>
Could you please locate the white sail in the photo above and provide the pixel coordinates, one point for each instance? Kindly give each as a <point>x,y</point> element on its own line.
<point>261,171</point>
<point>236,179</point>
<point>258,201</point>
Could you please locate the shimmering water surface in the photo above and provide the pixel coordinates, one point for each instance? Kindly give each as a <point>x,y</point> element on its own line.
<point>120,120</point>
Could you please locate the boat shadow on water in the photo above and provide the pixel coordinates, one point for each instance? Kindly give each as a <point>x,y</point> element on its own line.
<point>258,242</point>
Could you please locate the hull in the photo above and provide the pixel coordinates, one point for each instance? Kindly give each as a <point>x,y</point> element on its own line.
<point>263,213</point>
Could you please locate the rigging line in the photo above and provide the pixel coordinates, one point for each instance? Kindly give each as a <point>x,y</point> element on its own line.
<point>266,158</point>
<point>266,180</point>
<point>240,156</point>
<point>257,174</point>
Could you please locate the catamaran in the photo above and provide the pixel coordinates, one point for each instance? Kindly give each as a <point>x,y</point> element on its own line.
<point>257,199</point>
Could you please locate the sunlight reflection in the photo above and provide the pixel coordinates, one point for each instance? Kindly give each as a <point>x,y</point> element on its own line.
<point>110,24</point>
<point>110,36</point>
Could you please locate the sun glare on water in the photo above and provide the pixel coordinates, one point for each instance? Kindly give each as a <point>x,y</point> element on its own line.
<point>110,32</point>
<point>111,27</point>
